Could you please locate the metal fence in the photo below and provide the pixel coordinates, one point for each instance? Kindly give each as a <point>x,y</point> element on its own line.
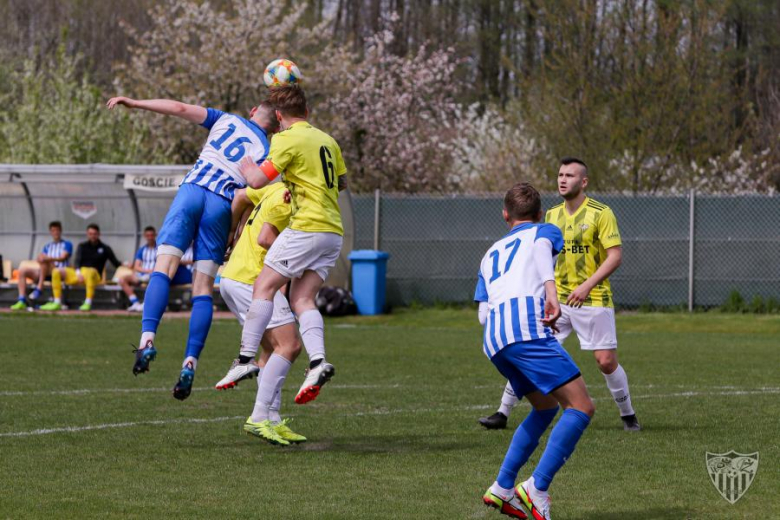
<point>677,250</point>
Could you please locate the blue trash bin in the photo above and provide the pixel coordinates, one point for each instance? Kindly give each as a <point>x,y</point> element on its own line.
<point>369,274</point>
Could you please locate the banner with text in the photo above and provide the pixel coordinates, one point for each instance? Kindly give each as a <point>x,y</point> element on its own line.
<point>152,182</point>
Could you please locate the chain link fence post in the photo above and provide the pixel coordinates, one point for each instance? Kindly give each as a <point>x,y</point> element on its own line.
<point>377,216</point>
<point>691,246</point>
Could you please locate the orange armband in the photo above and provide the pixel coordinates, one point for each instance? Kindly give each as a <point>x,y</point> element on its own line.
<point>269,170</point>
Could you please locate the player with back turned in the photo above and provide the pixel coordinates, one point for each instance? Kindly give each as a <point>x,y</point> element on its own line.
<point>591,254</point>
<point>311,166</point>
<point>518,304</point>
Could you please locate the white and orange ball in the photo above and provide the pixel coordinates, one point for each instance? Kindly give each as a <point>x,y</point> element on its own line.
<point>282,72</point>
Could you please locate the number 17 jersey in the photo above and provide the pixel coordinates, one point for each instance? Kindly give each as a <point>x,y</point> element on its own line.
<point>310,163</point>
<point>511,284</point>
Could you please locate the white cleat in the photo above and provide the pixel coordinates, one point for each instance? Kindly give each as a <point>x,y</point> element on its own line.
<point>537,502</point>
<point>315,378</point>
<point>136,307</point>
<point>238,372</point>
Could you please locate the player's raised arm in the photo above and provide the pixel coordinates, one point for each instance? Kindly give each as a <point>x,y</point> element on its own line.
<point>257,176</point>
<point>168,107</point>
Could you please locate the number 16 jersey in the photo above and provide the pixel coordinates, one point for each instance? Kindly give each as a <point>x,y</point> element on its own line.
<point>310,163</point>
<point>231,138</point>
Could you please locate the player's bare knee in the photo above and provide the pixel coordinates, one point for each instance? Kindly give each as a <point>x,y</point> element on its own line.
<point>607,365</point>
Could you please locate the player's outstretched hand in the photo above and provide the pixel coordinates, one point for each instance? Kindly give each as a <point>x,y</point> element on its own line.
<point>120,100</point>
<point>552,311</point>
<point>578,296</point>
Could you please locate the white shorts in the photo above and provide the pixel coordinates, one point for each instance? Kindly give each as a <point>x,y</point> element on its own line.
<point>238,297</point>
<point>294,252</point>
<point>595,326</point>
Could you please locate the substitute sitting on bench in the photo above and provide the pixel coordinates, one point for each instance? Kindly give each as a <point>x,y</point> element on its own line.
<point>91,257</point>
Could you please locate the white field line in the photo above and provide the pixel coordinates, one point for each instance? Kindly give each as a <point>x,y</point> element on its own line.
<point>106,426</point>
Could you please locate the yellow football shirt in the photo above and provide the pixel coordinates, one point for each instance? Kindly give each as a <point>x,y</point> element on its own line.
<point>310,163</point>
<point>248,257</point>
<point>587,234</point>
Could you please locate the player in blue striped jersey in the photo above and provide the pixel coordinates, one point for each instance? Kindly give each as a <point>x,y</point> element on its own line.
<point>143,267</point>
<point>518,304</point>
<point>199,214</point>
<point>54,255</point>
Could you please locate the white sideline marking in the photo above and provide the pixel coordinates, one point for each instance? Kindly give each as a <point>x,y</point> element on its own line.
<point>76,429</point>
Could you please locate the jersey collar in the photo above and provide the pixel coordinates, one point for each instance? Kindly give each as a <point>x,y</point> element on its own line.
<point>301,123</point>
<point>521,227</point>
<point>581,208</point>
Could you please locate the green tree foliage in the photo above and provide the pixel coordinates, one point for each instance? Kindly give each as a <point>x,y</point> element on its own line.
<point>57,117</point>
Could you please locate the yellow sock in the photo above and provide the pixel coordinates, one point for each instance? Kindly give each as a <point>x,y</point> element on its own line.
<point>56,284</point>
<point>91,279</point>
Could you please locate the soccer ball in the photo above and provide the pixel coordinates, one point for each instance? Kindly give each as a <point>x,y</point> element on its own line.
<point>282,72</point>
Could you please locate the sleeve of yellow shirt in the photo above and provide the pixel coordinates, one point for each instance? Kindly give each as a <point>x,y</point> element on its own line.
<point>255,195</point>
<point>608,229</point>
<point>276,211</point>
<point>338,163</point>
<point>280,153</point>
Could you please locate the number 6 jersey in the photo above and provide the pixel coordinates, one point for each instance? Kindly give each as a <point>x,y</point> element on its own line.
<point>231,138</point>
<point>310,163</point>
<point>511,280</point>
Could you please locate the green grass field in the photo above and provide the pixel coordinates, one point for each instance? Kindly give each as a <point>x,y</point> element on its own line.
<point>393,436</point>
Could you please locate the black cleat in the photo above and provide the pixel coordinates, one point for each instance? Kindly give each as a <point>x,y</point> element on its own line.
<point>144,356</point>
<point>497,421</point>
<point>183,386</point>
<point>630,424</point>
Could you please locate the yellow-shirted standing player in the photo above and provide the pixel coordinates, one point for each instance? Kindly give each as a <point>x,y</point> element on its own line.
<point>311,166</point>
<point>268,215</point>
<point>592,252</point>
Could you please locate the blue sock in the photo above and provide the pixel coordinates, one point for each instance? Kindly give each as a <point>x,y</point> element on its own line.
<point>35,294</point>
<point>134,299</point>
<point>155,301</point>
<point>22,298</point>
<point>523,444</point>
<point>200,322</point>
<point>560,446</point>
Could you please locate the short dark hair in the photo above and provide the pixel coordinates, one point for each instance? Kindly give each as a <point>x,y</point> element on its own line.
<point>149,228</point>
<point>573,160</point>
<point>267,116</point>
<point>290,100</point>
<point>93,226</point>
<point>55,223</point>
<point>522,202</point>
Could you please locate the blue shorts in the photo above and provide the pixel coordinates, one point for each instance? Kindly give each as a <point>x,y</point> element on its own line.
<point>199,217</point>
<point>540,364</point>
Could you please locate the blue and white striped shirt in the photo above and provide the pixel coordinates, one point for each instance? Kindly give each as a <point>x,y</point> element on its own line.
<point>510,283</point>
<point>147,255</point>
<point>230,139</point>
<point>57,249</point>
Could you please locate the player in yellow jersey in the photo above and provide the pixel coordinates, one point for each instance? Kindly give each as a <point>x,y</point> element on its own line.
<point>592,252</point>
<point>312,168</point>
<point>266,214</point>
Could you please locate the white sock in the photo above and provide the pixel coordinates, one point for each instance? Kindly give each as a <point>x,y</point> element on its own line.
<point>57,300</point>
<point>145,337</point>
<point>274,373</point>
<point>503,493</point>
<point>190,359</point>
<point>134,299</point>
<point>257,319</point>
<point>508,400</point>
<point>312,329</point>
<point>273,411</point>
<point>88,301</point>
<point>617,382</point>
